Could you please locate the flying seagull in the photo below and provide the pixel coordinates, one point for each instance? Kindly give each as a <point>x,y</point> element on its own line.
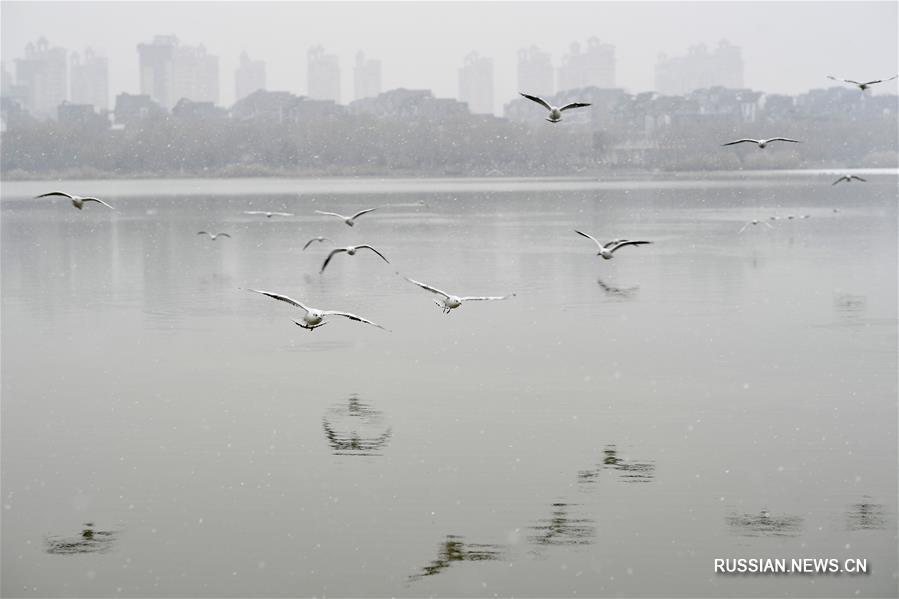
<point>351,250</point>
<point>555,112</point>
<point>77,201</point>
<point>755,222</point>
<point>213,236</point>
<point>314,317</point>
<point>849,178</point>
<point>308,243</point>
<point>606,250</point>
<point>268,214</point>
<point>349,220</point>
<point>451,302</point>
<point>761,142</point>
<point>862,85</point>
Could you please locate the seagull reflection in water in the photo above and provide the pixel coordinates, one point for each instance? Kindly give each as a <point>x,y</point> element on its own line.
<point>455,549</point>
<point>89,541</point>
<point>618,292</point>
<point>356,429</point>
<point>562,529</point>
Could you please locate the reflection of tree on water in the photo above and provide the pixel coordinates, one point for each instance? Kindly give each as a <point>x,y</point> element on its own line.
<point>454,549</point>
<point>764,524</point>
<point>562,529</point>
<point>355,429</point>
<point>866,515</point>
<point>90,541</point>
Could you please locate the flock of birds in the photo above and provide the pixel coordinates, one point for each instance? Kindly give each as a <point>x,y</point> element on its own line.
<point>314,318</point>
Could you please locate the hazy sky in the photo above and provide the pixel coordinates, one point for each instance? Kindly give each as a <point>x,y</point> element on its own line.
<point>788,47</point>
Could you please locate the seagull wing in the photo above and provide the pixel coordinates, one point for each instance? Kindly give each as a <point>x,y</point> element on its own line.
<point>485,298</point>
<point>351,317</point>
<point>281,298</point>
<point>308,243</point>
<point>205,233</point>
<point>843,80</point>
<point>253,212</point>
<point>574,105</point>
<point>744,227</point>
<point>767,224</point>
<point>857,178</point>
<point>795,141</point>
<point>739,141</point>
<point>223,235</point>
<point>624,243</point>
<point>428,287</point>
<point>283,214</point>
<point>596,241</point>
<point>843,178</point>
<point>613,242</point>
<point>375,251</point>
<point>330,214</point>
<point>96,200</point>
<point>328,259</point>
<point>539,101</point>
<point>55,193</point>
<point>361,212</point>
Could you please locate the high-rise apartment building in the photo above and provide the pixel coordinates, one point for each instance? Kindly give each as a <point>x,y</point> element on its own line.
<point>535,72</point>
<point>89,79</point>
<point>476,83</point>
<point>322,75</point>
<point>700,69</point>
<point>590,67</point>
<point>170,72</point>
<point>366,77</point>
<point>43,78</point>
<point>249,77</point>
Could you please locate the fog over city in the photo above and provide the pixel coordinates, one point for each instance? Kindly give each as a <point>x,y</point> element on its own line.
<point>786,47</point>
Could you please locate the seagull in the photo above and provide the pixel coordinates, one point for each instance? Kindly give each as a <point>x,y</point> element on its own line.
<point>214,236</point>
<point>268,214</point>
<point>862,85</point>
<point>755,222</point>
<point>314,317</point>
<point>349,220</point>
<point>308,243</point>
<point>451,302</point>
<point>351,250</point>
<point>761,142</point>
<point>77,201</point>
<point>609,248</point>
<point>555,113</point>
<point>848,179</point>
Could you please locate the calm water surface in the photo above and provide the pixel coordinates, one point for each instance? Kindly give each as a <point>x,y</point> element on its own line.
<point>609,431</point>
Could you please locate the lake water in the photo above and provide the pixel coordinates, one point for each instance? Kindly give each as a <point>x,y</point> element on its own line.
<point>609,431</point>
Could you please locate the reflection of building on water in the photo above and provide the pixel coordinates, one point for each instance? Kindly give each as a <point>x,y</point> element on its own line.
<point>89,541</point>
<point>355,429</point>
<point>764,524</point>
<point>866,515</point>
<point>562,529</point>
<point>454,549</point>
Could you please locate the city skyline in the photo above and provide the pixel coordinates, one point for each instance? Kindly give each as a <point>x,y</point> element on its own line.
<point>295,28</point>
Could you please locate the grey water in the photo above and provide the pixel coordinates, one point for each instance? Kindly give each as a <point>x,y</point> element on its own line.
<point>610,430</point>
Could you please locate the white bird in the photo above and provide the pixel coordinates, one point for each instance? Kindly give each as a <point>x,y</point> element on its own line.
<point>761,142</point>
<point>848,178</point>
<point>555,112</point>
<point>77,201</point>
<point>755,222</point>
<point>349,220</point>
<point>351,250</point>
<point>451,302</point>
<point>314,239</point>
<point>213,236</point>
<point>606,250</point>
<point>268,214</point>
<point>314,317</point>
<point>862,85</point>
